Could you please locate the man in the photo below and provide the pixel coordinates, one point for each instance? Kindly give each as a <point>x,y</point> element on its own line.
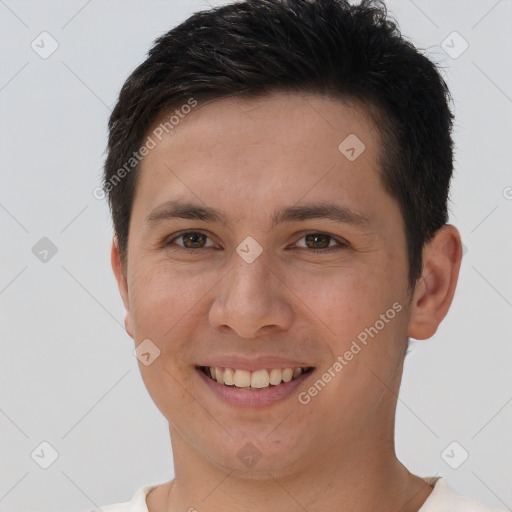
<point>278,175</point>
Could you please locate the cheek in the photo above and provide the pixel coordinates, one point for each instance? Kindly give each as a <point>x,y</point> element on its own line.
<point>161,298</point>
<point>357,305</point>
<point>164,305</point>
<point>340,301</point>
<point>167,386</point>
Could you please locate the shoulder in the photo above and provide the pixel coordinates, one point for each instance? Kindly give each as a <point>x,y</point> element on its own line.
<point>444,499</point>
<point>136,504</point>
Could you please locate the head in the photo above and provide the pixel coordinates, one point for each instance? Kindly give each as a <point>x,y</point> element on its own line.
<point>250,112</point>
<point>360,56</point>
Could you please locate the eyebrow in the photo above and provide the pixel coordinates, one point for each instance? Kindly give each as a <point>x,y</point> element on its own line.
<point>187,210</point>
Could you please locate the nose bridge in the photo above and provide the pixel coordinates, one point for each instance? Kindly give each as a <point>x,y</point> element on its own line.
<point>250,279</point>
<point>250,298</point>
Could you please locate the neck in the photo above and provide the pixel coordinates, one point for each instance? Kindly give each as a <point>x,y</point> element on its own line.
<point>346,481</point>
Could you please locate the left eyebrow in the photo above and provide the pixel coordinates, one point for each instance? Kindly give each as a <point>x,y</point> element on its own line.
<point>332,211</point>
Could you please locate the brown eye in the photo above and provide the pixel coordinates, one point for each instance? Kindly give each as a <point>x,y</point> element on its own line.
<point>190,240</point>
<point>321,243</point>
<point>193,240</point>
<point>317,241</point>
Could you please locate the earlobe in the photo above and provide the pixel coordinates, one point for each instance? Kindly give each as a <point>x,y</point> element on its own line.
<point>435,289</point>
<point>122,283</point>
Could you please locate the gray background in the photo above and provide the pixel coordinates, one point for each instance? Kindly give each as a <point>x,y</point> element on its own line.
<point>67,372</point>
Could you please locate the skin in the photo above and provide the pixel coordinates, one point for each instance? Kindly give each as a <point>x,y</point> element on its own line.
<point>249,158</point>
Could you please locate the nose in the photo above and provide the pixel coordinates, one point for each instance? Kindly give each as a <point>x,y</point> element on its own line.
<point>251,300</point>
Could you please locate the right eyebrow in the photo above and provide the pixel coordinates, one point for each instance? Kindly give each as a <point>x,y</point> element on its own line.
<point>185,210</point>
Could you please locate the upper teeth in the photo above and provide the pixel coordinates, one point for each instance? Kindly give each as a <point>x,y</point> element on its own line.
<point>257,379</point>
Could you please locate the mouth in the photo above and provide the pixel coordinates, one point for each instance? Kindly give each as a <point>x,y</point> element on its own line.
<point>258,380</point>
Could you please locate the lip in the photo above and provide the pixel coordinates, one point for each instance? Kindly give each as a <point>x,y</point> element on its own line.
<point>257,363</point>
<point>239,397</point>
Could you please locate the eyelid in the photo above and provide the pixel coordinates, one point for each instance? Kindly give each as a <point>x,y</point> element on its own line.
<point>179,234</point>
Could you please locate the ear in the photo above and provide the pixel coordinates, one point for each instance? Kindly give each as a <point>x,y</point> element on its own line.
<point>434,291</point>
<point>122,282</point>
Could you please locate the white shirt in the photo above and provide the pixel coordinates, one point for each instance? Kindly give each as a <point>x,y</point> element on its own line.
<point>441,499</point>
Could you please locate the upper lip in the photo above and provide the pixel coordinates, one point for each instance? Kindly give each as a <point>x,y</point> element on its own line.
<point>253,364</point>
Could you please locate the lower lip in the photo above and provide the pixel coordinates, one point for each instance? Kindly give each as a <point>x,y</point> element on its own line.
<point>257,398</point>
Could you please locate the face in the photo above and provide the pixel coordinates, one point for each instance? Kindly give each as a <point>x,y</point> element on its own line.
<point>261,241</point>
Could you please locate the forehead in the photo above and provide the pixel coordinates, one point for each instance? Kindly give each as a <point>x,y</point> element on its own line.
<point>305,117</point>
<point>273,149</point>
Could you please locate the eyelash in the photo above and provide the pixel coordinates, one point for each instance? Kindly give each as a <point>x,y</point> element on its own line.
<point>341,243</point>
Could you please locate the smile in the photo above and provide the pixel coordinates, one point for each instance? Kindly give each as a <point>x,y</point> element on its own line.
<point>256,380</point>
